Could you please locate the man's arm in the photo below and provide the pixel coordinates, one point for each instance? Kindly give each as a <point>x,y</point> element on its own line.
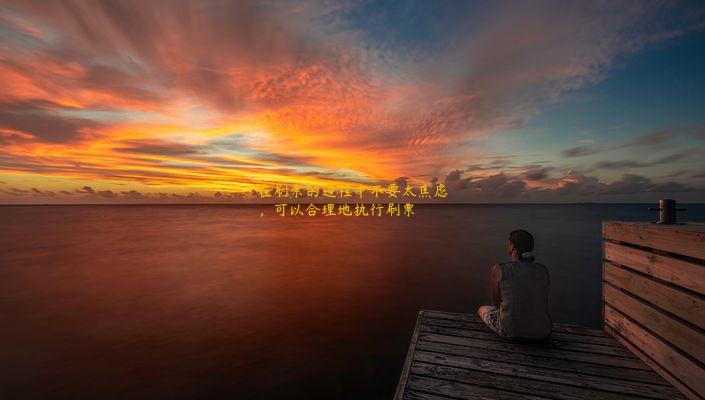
<point>495,278</point>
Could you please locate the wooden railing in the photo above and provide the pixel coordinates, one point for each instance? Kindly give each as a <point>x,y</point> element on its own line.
<point>654,297</point>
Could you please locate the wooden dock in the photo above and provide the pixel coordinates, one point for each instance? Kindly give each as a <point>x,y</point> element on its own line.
<point>454,356</point>
<point>652,345</point>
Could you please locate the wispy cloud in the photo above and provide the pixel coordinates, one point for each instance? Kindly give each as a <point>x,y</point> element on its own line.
<point>225,96</point>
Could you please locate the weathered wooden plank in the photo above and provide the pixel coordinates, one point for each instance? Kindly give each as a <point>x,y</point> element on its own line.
<point>478,326</point>
<point>428,333</point>
<point>692,374</point>
<point>409,357</point>
<point>657,368</point>
<point>484,334</point>
<point>519,385</point>
<point>583,347</point>
<point>569,337</point>
<point>672,330</point>
<point>683,304</point>
<point>577,330</point>
<point>609,371</point>
<point>414,395</point>
<point>687,240</point>
<point>460,358</point>
<point>548,375</point>
<point>676,271</point>
<point>455,390</point>
<point>557,327</point>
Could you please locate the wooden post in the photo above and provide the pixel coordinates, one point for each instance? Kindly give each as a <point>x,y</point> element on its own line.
<point>654,297</point>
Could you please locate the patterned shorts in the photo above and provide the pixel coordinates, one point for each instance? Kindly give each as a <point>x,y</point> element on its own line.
<point>490,316</point>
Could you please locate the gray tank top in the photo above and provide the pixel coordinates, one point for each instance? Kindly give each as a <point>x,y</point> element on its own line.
<point>524,289</point>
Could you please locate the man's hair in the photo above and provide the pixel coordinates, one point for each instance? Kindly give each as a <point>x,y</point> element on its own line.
<point>522,240</point>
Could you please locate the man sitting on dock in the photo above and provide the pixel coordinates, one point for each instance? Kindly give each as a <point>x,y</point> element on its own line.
<point>519,293</point>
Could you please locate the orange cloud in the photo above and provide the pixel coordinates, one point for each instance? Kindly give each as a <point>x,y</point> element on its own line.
<point>232,95</point>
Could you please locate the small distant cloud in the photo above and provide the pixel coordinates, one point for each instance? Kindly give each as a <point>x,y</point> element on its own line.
<point>402,181</point>
<point>619,164</point>
<point>134,195</point>
<point>42,193</point>
<point>537,173</point>
<point>16,192</point>
<point>652,138</point>
<point>86,190</point>
<point>671,158</point>
<point>159,148</point>
<point>108,194</point>
<point>573,184</point>
<point>579,151</point>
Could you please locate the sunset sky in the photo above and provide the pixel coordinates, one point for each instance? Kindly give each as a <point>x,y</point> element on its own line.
<point>170,101</point>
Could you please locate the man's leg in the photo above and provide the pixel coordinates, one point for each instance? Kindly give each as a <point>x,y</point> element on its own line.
<point>490,316</point>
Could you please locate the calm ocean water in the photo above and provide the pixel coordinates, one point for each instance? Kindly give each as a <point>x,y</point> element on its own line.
<point>185,302</point>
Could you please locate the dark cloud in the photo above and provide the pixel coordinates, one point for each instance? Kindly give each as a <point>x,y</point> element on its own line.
<point>680,172</point>
<point>119,82</point>
<point>632,184</point>
<point>38,119</point>
<point>499,186</point>
<point>652,138</point>
<point>201,153</point>
<point>159,147</point>
<point>402,182</point>
<point>86,190</point>
<point>629,184</point>
<point>537,173</point>
<point>229,195</point>
<point>454,182</point>
<point>579,151</point>
<point>573,186</point>
<point>671,158</point>
<point>619,164</point>
<point>281,158</point>
<point>674,187</point>
<point>32,192</point>
<point>43,193</point>
<point>492,165</point>
<point>158,46</point>
<point>17,192</point>
<point>680,155</point>
<point>108,194</point>
<point>656,137</point>
<point>133,195</point>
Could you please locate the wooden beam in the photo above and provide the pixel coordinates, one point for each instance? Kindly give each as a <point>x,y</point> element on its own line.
<point>685,337</point>
<point>558,334</point>
<point>586,368</point>
<point>579,356</point>
<point>401,386</point>
<point>678,302</point>
<point>505,383</point>
<point>673,270</point>
<point>687,392</point>
<point>687,240</point>
<point>557,327</point>
<point>556,344</point>
<point>688,371</point>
